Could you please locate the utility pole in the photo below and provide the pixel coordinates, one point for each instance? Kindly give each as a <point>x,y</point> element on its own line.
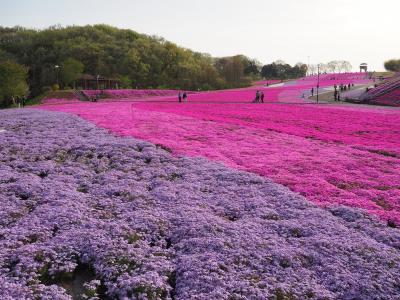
<point>97,81</point>
<point>57,67</point>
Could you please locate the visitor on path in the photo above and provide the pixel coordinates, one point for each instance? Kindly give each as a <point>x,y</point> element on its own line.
<point>312,92</point>
<point>17,102</point>
<point>262,97</point>
<point>338,96</point>
<point>180,96</point>
<point>184,97</point>
<point>335,95</point>
<point>23,100</point>
<point>257,99</point>
<point>349,86</point>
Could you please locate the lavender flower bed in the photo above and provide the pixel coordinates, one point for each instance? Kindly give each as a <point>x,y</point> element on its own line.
<point>84,212</point>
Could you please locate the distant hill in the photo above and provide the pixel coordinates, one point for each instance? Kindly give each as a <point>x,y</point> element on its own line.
<point>137,60</point>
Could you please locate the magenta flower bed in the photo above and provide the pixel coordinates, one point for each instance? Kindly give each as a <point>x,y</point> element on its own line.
<point>88,215</point>
<point>331,155</point>
<point>392,98</point>
<point>59,101</point>
<point>291,91</point>
<point>132,93</point>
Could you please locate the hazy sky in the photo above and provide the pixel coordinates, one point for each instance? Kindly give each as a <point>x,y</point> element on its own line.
<point>291,30</point>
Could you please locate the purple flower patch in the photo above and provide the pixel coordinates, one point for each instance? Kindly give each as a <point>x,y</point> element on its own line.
<point>87,215</point>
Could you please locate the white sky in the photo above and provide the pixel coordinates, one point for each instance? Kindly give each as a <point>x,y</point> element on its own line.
<point>291,30</point>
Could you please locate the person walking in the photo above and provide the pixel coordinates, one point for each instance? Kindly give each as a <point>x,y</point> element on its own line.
<point>257,97</point>
<point>335,95</point>
<point>15,101</point>
<point>312,91</point>
<point>180,96</point>
<point>184,97</point>
<point>262,97</point>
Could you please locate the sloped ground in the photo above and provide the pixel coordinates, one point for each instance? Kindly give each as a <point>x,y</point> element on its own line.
<point>330,154</point>
<point>84,211</point>
<point>392,98</point>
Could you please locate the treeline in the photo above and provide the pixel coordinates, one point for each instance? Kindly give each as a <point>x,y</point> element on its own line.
<point>13,83</point>
<point>392,65</point>
<point>137,60</point>
<point>282,70</point>
<point>334,66</point>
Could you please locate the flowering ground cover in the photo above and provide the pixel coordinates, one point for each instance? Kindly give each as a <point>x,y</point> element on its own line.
<point>392,98</point>
<point>329,154</point>
<point>296,91</point>
<point>133,93</point>
<point>59,100</point>
<point>85,212</point>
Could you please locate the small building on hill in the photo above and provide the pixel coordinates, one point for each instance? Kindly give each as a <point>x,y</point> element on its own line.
<point>364,67</point>
<point>90,82</point>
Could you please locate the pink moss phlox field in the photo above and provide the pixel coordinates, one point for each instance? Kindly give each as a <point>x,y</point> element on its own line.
<point>291,91</point>
<point>133,93</point>
<point>131,221</point>
<point>382,89</point>
<point>331,155</point>
<point>59,101</point>
<point>371,129</point>
<point>392,98</point>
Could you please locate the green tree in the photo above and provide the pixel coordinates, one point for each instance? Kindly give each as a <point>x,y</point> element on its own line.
<point>71,70</point>
<point>392,65</point>
<point>269,71</point>
<point>232,70</point>
<point>126,82</point>
<point>147,61</point>
<point>282,70</point>
<point>12,82</point>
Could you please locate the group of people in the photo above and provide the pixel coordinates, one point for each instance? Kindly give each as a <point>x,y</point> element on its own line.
<point>344,87</point>
<point>20,101</point>
<point>259,97</point>
<point>182,96</point>
<point>341,88</point>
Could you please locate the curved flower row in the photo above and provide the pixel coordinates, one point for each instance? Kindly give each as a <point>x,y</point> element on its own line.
<point>392,98</point>
<point>83,212</point>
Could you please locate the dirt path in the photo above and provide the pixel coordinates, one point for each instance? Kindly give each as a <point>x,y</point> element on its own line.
<point>328,96</point>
